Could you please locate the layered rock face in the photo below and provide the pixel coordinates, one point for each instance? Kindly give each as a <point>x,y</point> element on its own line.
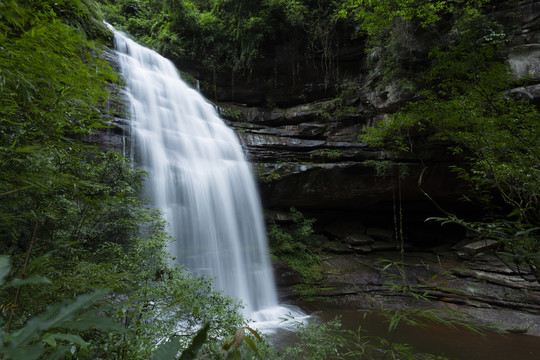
<point>310,156</point>
<point>524,54</point>
<point>306,159</point>
<point>116,136</point>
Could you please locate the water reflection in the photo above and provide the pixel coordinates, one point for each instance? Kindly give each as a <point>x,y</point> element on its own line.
<point>440,340</point>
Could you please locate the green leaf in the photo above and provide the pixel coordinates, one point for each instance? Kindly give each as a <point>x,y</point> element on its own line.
<point>5,266</point>
<point>32,280</point>
<point>55,316</point>
<point>394,321</point>
<point>251,344</point>
<point>51,339</point>
<point>519,233</point>
<point>255,333</point>
<point>168,350</point>
<point>234,355</point>
<point>31,352</point>
<point>239,337</point>
<point>197,343</point>
<point>58,353</point>
<point>228,342</point>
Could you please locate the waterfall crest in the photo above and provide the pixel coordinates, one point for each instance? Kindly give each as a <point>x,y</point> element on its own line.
<point>199,177</point>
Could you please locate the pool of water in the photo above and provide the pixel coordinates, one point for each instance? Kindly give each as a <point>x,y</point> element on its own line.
<point>435,339</point>
<point>441,340</point>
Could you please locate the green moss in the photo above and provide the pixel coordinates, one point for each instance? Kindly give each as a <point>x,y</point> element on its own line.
<point>298,247</point>
<point>264,175</point>
<point>233,115</point>
<point>385,168</point>
<point>326,154</point>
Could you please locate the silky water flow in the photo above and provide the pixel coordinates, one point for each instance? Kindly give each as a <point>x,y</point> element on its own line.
<point>199,177</point>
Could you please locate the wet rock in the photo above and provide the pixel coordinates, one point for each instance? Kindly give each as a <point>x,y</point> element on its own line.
<point>343,229</point>
<point>310,130</point>
<point>350,185</point>
<point>285,276</point>
<point>384,246</point>
<point>336,247</point>
<point>385,235</point>
<point>524,61</point>
<point>362,249</point>
<point>305,113</point>
<point>258,140</point>
<point>306,160</point>
<point>489,296</point>
<point>115,136</point>
<point>529,93</point>
<point>476,247</point>
<point>279,216</point>
<point>358,239</point>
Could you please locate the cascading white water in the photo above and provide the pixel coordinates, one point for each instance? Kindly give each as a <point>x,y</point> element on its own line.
<point>200,179</point>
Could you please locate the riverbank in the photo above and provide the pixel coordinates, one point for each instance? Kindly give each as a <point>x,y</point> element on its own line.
<point>480,286</point>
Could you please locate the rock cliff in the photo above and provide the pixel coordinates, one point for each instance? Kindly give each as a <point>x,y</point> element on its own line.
<point>309,155</point>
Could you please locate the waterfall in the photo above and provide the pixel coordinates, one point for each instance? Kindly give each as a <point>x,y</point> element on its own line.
<point>199,177</point>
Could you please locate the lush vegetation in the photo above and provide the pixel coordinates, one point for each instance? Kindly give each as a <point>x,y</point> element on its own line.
<point>71,221</point>
<point>223,33</point>
<point>234,39</point>
<point>466,104</point>
<point>297,247</point>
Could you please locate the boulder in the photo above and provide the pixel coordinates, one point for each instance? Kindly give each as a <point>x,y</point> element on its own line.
<point>363,249</point>
<point>343,229</point>
<point>385,235</point>
<point>335,247</point>
<point>524,61</point>
<point>479,246</point>
<point>358,239</point>
<point>529,93</point>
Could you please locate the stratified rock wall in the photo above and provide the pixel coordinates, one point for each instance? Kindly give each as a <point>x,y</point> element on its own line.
<point>309,156</point>
<point>306,159</point>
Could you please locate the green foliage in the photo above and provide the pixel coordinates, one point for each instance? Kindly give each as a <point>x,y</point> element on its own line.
<point>69,211</point>
<point>83,15</point>
<point>44,112</point>
<point>230,37</point>
<point>340,106</point>
<point>232,344</point>
<point>400,34</point>
<point>179,301</point>
<point>383,168</point>
<point>376,16</point>
<point>466,106</point>
<point>317,341</point>
<point>326,154</point>
<point>169,349</point>
<point>264,175</point>
<point>297,246</point>
<point>45,336</point>
<point>232,115</point>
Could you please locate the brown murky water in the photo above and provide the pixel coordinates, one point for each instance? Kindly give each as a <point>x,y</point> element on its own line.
<point>440,340</point>
<point>458,344</point>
